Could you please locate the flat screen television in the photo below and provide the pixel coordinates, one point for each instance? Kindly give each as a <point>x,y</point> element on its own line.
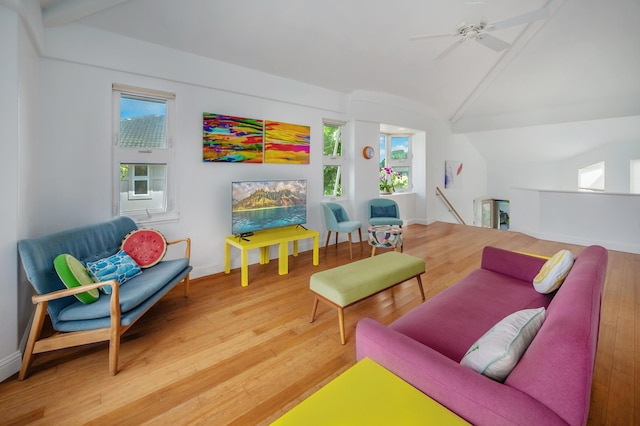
<point>258,205</point>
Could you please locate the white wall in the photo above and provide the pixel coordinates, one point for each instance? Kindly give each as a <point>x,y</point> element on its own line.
<point>9,136</point>
<point>471,185</point>
<point>584,218</point>
<point>18,104</point>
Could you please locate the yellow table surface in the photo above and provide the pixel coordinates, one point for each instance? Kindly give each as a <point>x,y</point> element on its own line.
<point>368,394</point>
<point>262,240</point>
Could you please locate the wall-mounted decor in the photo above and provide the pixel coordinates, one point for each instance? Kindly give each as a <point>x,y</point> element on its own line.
<point>452,174</point>
<point>228,139</point>
<point>286,143</point>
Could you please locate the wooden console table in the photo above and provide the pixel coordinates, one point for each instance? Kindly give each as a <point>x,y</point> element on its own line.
<point>264,239</point>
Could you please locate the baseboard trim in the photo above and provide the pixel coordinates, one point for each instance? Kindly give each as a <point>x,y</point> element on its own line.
<point>10,365</point>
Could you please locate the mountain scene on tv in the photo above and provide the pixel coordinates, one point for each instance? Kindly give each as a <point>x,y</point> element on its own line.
<point>271,204</point>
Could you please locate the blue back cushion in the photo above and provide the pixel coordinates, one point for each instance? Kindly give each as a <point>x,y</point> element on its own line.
<point>386,211</point>
<point>86,243</point>
<point>339,216</point>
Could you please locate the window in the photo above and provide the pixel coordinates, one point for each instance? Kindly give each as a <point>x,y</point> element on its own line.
<point>591,178</point>
<point>635,176</point>
<point>143,154</point>
<point>332,159</point>
<point>395,152</point>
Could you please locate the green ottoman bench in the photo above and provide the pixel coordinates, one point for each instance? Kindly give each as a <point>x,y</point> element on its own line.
<point>345,285</point>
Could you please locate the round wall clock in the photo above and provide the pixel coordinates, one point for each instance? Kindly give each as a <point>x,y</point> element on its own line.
<point>367,152</point>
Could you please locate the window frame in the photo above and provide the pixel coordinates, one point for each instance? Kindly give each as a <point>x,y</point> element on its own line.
<point>598,165</point>
<point>144,156</point>
<point>336,160</point>
<point>386,161</point>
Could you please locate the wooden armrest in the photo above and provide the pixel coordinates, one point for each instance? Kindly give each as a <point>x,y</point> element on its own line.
<point>39,298</point>
<point>187,251</point>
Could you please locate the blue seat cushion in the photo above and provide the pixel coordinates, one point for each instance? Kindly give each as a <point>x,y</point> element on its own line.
<point>385,221</point>
<point>132,294</point>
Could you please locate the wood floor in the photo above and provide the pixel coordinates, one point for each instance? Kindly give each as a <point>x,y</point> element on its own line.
<point>245,355</point>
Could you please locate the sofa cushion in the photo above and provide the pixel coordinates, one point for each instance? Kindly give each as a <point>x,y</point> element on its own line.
<point>146,246</point>
<point>136,291</point>
<point>471,307</point>
<point>497,352</point>
<point>553,272</point>
<point>120,267</point>
<point>74,274</point>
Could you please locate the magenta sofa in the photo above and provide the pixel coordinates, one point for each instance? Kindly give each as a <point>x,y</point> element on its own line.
<point>550,385</point>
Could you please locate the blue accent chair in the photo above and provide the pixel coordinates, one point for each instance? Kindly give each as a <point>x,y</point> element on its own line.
<point>337,220</point>
<point>106,319</point>
<point>383,211</point>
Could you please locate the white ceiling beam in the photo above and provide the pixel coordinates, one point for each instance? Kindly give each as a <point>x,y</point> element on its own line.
<point>518,45</point>
<point>68,11</point>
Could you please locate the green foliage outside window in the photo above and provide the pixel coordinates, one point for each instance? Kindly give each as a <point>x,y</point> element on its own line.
<point>332,147</point>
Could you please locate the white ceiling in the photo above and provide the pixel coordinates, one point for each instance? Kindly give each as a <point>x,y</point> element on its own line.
<point>581,63</point>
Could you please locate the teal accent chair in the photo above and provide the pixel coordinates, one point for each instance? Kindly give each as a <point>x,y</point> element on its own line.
<point>337,220</point>
<point>383,211</point>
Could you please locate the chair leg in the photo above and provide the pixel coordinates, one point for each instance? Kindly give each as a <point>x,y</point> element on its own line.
<point>350,247</point>
<point>34,334</point>
<point>326,245</point>
<point>360,236</point>
<point>373,251</point>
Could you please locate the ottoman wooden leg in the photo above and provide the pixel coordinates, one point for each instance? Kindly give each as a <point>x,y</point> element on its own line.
<point>315,308</point>
<point>419,285</point>
<point>341,322</point>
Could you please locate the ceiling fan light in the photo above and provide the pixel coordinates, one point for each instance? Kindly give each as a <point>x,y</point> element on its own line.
<point>471,34</point>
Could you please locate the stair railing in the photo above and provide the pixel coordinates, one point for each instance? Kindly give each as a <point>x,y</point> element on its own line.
<point>452,209</point>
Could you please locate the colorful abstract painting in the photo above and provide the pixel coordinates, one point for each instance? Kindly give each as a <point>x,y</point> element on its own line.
<point>452,174</point>
<point>286,143</point>
<point>228,139</point>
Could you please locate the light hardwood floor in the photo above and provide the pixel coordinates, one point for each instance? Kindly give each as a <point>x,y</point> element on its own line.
<point>245,355</point>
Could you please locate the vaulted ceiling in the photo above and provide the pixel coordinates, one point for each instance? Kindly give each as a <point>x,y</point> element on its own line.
<point>580,63</point>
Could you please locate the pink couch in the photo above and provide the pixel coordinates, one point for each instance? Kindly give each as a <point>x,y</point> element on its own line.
<point>550,385</point>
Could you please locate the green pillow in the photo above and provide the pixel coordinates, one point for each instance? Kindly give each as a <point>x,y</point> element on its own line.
<point>73,274</point>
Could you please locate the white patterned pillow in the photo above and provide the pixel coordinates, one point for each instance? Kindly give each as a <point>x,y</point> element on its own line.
<point>553,272</point>
<point>498,351</point>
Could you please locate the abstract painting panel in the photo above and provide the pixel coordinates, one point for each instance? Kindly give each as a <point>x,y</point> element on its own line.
<point>286,143</point>
<point>452,174</point>
<point>228,139</point>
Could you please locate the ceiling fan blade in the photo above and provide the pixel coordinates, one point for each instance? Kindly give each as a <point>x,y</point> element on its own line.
<point>449,49</point>
<point>492,42</point>
<point>424,37</point>
<point>525,18</point>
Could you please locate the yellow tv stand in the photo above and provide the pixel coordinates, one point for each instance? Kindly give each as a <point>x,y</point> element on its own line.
<point>263,240</point>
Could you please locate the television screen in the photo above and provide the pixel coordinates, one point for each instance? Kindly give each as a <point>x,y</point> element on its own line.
<point>257,205</point>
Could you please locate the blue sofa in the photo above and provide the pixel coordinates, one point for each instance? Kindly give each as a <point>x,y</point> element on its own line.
<point>106,319</point>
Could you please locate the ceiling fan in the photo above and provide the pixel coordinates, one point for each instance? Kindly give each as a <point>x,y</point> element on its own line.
<point>480,32</point>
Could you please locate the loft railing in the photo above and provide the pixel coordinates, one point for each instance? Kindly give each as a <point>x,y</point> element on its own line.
<point>452,209</point>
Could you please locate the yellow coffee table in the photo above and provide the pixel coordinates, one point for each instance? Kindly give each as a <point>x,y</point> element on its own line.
<point>368,394</point>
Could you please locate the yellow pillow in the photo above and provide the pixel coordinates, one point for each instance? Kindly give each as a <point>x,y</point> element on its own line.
<point>553,272</point>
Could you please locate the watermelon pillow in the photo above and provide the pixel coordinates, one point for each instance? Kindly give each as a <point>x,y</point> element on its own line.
<point>146,246</point>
